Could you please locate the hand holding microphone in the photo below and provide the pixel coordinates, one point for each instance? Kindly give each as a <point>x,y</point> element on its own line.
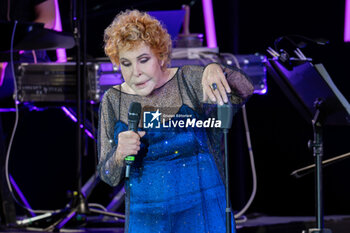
<point>129,141</point>
<point>128,144</point>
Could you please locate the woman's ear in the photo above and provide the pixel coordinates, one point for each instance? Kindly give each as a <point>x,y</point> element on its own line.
<point>162,62</point>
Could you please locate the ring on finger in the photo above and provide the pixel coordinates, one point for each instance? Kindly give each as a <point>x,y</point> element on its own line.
<point>214,86</point>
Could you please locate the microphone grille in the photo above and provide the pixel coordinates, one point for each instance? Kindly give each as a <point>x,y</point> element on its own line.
<point>134,111</point>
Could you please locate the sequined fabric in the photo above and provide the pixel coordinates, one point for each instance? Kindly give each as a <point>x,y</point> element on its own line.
<point>176,181</point>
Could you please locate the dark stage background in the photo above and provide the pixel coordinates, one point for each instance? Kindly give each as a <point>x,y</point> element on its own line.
<point>43,160</point>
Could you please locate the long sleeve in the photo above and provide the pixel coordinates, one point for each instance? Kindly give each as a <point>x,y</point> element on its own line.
<point>109,170</point>
<point>239,82</point>
<point>191,83</point>
<point>240,85</point>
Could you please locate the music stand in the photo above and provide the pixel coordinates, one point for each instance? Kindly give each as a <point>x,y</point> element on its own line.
<point>312,91</point>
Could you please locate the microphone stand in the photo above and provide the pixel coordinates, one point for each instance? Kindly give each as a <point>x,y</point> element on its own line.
<point>79,205</point>
<point>225,115</point>
<point>317,146</point>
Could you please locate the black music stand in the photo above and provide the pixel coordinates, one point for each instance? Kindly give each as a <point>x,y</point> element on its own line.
<point>310,88</point>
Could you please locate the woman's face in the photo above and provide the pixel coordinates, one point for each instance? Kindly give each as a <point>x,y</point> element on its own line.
<point>141,69</point>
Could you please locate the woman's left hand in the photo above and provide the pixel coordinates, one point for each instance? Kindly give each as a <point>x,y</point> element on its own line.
<point>214,84</point>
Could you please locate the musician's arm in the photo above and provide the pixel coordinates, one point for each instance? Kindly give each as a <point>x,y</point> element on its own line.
<point>46,13</point>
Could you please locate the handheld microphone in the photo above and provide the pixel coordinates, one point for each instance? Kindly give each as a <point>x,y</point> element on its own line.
<point>225,113</point>
<point>133,122</point>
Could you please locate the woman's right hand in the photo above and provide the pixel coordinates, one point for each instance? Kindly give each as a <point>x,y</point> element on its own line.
<point>128,144</point>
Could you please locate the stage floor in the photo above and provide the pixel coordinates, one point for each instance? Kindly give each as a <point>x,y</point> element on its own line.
<point>256,224</point>
<point>291,224</point>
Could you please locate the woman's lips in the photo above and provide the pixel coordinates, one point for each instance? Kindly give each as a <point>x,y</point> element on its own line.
<point>142,84</point>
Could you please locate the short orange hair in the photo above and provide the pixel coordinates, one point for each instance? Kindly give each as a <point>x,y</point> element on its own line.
<point>130,28</point>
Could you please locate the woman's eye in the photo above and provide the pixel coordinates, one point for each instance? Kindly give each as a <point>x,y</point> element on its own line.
<point>125,63</point>
<point>144,60</point>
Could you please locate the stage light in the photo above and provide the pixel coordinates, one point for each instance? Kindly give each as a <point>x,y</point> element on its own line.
<point>209,23</point>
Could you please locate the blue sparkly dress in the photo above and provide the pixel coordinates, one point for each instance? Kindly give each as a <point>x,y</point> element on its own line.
<point>176,182</point>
